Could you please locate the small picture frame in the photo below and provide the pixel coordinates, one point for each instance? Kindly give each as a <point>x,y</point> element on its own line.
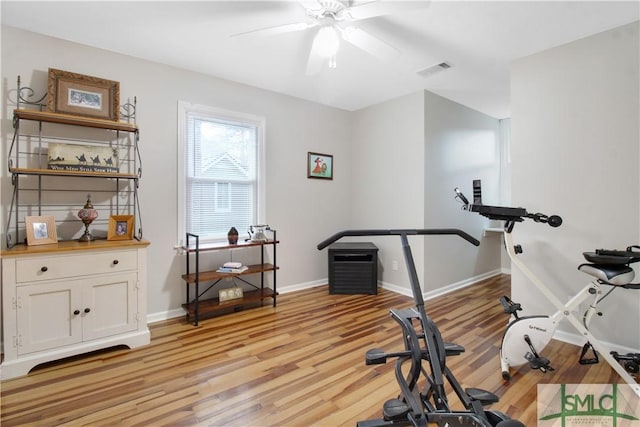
<point>120,227</point>
<point>319,166</point>
<point>41,230</point>
<point>82,95</point>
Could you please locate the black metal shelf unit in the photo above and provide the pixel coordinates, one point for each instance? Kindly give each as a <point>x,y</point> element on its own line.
<point>40,188</point>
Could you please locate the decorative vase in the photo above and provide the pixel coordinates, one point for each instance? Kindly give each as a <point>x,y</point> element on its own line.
<point>233,236</point>
<point>87,214</point>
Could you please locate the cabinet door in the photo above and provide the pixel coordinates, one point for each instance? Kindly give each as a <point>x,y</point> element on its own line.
<point>110,305</point>
<point>46,319</point>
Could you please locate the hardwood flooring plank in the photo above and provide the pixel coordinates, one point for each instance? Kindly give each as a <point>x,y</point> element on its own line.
<point>298,364</point>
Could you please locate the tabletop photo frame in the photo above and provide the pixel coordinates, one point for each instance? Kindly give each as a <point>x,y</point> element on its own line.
<point>40,230</point>
<point>120,227</point>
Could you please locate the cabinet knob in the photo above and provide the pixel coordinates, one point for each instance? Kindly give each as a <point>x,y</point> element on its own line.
<point>86,310</point>
<point>43,269</point>
<point>115,262</point>
<point>76,312</point>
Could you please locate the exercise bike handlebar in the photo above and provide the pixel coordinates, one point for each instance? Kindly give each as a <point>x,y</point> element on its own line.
<point>398,232</point>
<point>508,214</point>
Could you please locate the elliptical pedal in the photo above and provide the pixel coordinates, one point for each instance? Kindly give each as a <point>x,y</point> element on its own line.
<point>395,410</point>
<point>483,396</point>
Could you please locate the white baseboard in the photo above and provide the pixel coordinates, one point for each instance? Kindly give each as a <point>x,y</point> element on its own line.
<point>459,285</point>
<point>178,312</point>
<point>395,288</point>
<point>443,290</point>
<point>302,286</point>
<point>165,315</point>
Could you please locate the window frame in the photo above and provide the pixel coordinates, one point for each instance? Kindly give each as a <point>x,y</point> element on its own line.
<point>215,113</point>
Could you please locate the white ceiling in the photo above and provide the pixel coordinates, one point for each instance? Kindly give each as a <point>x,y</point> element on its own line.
<point>479,39</point>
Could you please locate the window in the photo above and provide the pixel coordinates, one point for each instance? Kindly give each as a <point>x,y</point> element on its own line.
<point>220,171</point>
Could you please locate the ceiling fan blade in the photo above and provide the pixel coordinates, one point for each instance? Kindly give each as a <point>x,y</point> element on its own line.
<point>278,29</point>
<point>370,44</point>
<point>311,5</point>
<point>379,8</point>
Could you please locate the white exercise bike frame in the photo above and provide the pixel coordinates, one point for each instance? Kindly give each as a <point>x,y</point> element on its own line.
<point>565,311</point>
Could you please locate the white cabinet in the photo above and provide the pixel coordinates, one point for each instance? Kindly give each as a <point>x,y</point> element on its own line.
<point>71,298</point>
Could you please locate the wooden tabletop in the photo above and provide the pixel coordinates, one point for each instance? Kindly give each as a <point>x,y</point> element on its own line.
<point>73,245</point>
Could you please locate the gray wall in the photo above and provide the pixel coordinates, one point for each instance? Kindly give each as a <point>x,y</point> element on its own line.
<point>575,152</point>
<point>461,145</point>
<point>408,154</point>
<point>304,211</point>
<point>387,167</point>
<point>384,168</point>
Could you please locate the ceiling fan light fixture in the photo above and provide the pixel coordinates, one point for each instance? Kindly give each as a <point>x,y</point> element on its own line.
<point>327,42</point>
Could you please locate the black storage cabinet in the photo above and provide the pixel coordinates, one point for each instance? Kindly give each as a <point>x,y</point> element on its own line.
<point>353,268</point>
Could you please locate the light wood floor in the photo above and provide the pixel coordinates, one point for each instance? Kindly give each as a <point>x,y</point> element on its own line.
<point>299,364</point>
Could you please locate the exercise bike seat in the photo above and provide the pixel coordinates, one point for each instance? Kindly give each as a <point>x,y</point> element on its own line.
<point>615,275</point>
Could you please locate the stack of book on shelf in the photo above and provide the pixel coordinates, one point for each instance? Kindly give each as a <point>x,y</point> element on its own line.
<point>232,267</point>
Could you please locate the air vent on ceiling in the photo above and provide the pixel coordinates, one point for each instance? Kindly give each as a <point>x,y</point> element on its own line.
<point>430,71</point>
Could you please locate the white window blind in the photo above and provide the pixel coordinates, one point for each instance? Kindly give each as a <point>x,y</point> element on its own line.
<point>221,171</point>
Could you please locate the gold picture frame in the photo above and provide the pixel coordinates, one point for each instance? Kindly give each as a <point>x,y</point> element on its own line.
<point>120,227</point>
<point>82,95</point>
<point>41,230</point>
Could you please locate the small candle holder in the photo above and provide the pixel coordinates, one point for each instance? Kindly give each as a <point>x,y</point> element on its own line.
<point>232,236</point>
<point>87,214</point>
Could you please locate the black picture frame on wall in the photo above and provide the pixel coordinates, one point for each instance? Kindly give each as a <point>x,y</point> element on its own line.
<point>319,166</point>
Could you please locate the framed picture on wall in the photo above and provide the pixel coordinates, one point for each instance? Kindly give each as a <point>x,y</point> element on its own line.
<point>319,165</point>
<point>41,230</point>
<point>81,95</point>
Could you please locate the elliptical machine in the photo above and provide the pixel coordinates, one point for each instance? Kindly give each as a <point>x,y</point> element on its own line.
<point>422,399</point>
<point>526,336</point>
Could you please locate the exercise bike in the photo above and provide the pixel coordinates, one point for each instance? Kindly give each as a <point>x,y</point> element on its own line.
<point>526,336</point>
<point>422,399</point>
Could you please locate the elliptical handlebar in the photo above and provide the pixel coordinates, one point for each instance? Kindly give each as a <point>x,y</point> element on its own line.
<point>398,232</point>
<point>509,214</point>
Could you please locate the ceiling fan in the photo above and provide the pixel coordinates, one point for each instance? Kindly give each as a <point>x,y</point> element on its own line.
<point>333,21</point>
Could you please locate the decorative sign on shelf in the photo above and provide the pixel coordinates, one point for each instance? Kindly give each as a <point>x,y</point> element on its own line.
<point>230,294</point>
<point>82,158</point>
